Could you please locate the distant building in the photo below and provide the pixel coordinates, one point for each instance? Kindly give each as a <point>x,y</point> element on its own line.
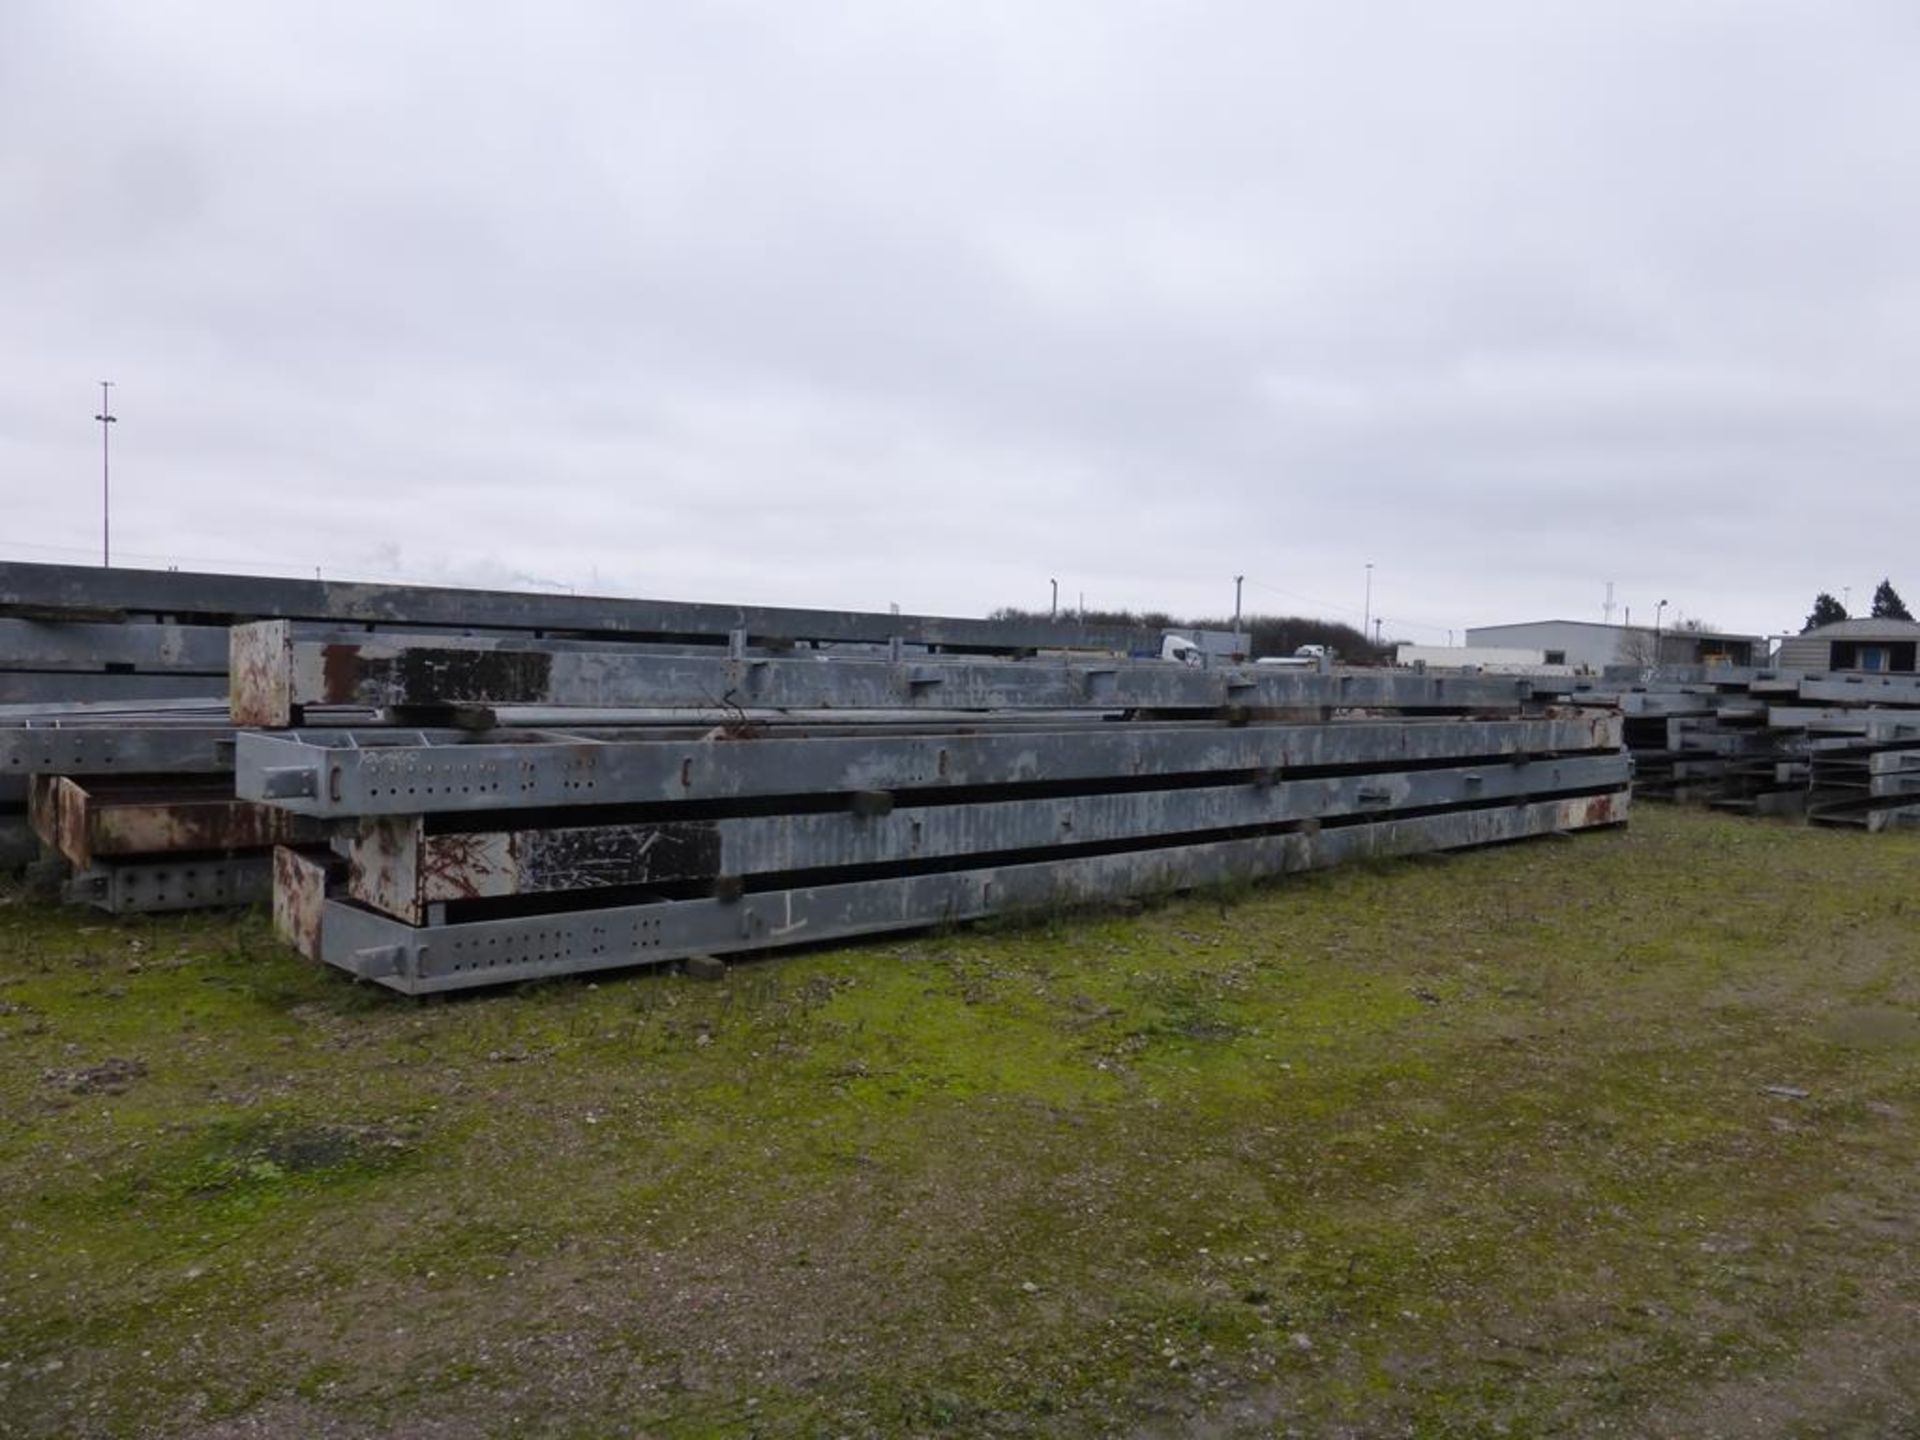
<point>1879,645</point>
<point>1587,645</point>
<point>1487,659</point>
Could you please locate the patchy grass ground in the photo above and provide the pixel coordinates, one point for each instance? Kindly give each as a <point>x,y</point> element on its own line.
<point>1615,1135</point>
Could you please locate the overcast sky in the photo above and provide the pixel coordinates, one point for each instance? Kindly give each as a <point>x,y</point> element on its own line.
<point>845,304</point>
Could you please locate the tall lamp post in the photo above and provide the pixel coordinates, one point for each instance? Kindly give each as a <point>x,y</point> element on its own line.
<point>1053,612</point>
<point>106,417</point>
<point>1366,614</point>
<point>1658,610</point>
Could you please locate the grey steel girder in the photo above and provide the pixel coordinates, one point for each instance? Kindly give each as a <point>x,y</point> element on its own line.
<point>397,867</point>
<point>141,887</point>
<point>77,590</point>
<point>107,750</point>
<point>418,960</point>
<point>71,645</point>
<point>51,687</point>
<point>277,670</point>
<point>316,773</point>
<point>1861,689</point>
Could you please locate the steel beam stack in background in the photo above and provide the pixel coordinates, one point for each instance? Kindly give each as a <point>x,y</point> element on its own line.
<point>1838,749</point>
<point>837,795</point>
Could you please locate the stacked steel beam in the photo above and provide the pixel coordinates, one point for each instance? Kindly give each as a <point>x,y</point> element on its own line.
<point>834,796</point>
<point>1839,749</point>
<point>113,691</point>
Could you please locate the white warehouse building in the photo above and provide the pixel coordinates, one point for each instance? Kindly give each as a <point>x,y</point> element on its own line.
<point>1589,645</point>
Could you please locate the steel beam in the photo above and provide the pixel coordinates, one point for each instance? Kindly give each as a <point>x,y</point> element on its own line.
<point>418,960</point>
<point>47,687</point>
<point>1862,689</point>
<point>300,882</point>
<point>277,671</point>
<point>319,774</point>
<point>111,750</point>
<point>398,867</point>
<point>70,645</point>
<point>74,590</point>
<point>129,887</point>
<point>84,822</point>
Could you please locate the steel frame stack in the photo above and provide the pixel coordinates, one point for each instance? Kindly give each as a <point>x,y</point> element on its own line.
<point>1838,749</point>
<point>840,796</point>
<point>120,663</point>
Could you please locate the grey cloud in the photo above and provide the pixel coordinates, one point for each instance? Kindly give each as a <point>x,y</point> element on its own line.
<point>874,302</point>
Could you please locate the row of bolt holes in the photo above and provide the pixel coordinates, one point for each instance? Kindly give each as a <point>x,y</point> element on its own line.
<point>487,789</point>
<point>159,879</point>
<point>646,936</point>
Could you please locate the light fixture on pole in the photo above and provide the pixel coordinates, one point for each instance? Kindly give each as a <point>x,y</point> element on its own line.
<point>1658,610</point>
<point>1366,613</point>
<point>1053,611</point>
<point>106,417</point>
<point>1237,581</point>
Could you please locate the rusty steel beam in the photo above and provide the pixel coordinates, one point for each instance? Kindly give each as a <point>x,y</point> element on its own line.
<point>397,866</point>
<point>423,959</point>
<point>301,880</point>
<point>123,818</point>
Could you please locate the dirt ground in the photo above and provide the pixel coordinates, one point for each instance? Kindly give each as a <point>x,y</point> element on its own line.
<point>1613,1135</point>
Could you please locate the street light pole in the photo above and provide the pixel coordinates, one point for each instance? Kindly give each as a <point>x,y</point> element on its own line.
<point>1366,614</point>
<point>1237,580</point>
<point>106,417</point>
<point>1658,610</point>
<point>1053,611</point>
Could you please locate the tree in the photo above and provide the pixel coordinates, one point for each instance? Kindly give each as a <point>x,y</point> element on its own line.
<point>1826,611</point>
<point>1887,604</point>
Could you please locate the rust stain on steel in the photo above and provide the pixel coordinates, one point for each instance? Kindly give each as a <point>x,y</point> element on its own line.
<point>259,681</point>
<point>451,867</point>
<point>161,827</point>
<point>56,808</point>
<point>382,867</point>
<point>339,673</point>
<point>299,897</point>
<point>1604,809</point>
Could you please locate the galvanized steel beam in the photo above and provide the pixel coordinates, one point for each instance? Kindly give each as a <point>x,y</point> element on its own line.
<point>277,671</point>
<point>110,750</point>
<point>74,590</point>
<point>419,960</point>
<point>66,645</point>
<point>315,773</point>
<point>398,867</point>
<point>41,688</point>
<point>131,887</point>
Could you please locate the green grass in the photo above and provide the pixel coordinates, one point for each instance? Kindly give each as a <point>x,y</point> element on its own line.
<point>1460,1146</point>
